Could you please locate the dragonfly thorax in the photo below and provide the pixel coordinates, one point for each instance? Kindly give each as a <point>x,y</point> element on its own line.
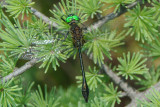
<point>77,35</point>
<point>73,23</point>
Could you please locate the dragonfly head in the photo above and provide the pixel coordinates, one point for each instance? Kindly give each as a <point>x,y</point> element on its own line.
<point>72,18</point>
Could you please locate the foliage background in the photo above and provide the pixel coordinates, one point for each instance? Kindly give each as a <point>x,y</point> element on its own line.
<point>64,78</point>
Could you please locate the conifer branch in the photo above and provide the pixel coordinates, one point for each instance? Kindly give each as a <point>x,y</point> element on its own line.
<point>98,24</point>
<point>20,70</point>
<point>142,95</point>
<point>123,94</point>
<point>38,14</point>
<point>128,89</point>
<point>44,18</point>
<point>113,15</point>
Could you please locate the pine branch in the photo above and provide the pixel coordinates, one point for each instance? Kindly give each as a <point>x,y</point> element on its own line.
<point>98,24</point>
<point>20,70</point>
<point>142,95</point>
<point>44,18</point>
<point>123,94</point>
<point>95,26</point>
<point>38,14</point>
<point>128,89</point>
<point>113,15</point>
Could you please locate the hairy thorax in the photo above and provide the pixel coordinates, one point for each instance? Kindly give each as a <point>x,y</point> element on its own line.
<point>77,35</point>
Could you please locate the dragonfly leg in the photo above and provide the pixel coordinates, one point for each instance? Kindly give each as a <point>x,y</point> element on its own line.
<point>63,18</point>
<point>66,35</point>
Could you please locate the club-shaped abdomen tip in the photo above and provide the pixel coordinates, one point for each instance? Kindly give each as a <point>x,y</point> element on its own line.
<point>85,93</point>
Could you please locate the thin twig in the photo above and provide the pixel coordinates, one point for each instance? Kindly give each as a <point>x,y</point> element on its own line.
<point>113,15</point>
<point>123,94</point>
<point>142,95</point>
<point>44,18</point>
<point>20,70</point>
<point>129,90</point>
<point>94,26</point>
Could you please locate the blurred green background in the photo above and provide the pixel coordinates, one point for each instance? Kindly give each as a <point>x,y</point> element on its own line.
<point>65,75</point>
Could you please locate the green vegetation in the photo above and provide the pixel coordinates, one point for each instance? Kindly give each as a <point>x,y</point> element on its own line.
<point>22,33</point>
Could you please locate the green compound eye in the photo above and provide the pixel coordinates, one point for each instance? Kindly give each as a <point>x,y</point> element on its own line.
<point>69,19</point>
<point>75,17</point>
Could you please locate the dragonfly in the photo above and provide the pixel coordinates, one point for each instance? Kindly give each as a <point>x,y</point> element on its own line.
<point>78,41</point>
